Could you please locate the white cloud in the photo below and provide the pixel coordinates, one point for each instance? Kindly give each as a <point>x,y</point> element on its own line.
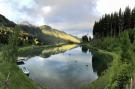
<point>109,6</point>
<point>46,9</point>
<point>70,26</point>
<point>61,14</point>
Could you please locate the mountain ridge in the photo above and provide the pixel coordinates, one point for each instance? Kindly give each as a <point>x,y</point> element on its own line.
<point>45,33</point>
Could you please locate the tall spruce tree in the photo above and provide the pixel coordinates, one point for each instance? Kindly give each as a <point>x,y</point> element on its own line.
<point>127,18</point>
<point>115,23</point>
<point>133,18</point>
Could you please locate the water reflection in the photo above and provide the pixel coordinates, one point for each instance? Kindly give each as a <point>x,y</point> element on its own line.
<point>99,65</point>
<point>84,49</point>
<point>46,51</point>
<point>55,50</point>
<point>70,70</point>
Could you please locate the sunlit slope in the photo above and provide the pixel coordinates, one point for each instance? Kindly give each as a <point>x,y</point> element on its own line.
<point>59,34</point>
<point>45,34</point>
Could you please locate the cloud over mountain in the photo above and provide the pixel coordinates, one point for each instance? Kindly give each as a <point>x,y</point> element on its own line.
<point>64,15</point>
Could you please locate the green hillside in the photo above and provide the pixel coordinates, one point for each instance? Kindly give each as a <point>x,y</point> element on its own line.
<point>43,34</point>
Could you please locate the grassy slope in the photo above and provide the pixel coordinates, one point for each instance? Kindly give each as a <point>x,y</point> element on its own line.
<point>45,34</point>
<point>117,73</point>
<point>58,36</point>
<point>16,80</point>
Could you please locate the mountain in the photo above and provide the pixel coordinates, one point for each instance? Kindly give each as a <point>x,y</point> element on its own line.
<point>5,22</point>
<point>44,34</point>
<point>58,36</point>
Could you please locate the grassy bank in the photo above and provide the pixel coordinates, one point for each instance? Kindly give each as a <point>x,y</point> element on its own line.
<point>118,75</point>
<point>13,78</point>
<point>103,80</point>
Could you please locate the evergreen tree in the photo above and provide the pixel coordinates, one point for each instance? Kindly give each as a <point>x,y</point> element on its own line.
<point>127,18</point>
<point>115,23</point>
<point>133,18</point>
<point>90,38</point>
<point>85,39</point>
<point>121,21</point>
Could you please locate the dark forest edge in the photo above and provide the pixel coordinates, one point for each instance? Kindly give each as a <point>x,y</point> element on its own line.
<point>122,50</point>
<point>114,35</point>
<point>113,24</point>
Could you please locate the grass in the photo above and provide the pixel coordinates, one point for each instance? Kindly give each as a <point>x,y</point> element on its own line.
<point>118,74</point>
<point>11,77</point>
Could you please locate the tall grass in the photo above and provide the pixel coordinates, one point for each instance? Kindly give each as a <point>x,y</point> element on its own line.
<point>10,50</point>
<point>11,77</point>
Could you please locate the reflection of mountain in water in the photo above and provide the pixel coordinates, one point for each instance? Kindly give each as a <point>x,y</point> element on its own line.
<point>69,70</point>
<point>55,50</point>
<point>45,51</point>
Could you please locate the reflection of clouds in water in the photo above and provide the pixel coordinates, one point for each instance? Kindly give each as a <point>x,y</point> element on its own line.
<point>63,70</point>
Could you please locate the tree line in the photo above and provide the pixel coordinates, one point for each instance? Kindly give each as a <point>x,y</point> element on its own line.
<point>86,39</point>
<point>111,25</point>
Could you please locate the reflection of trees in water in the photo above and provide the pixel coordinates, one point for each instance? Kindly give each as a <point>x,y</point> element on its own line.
<point>84,49</point>
<point>99,64</point>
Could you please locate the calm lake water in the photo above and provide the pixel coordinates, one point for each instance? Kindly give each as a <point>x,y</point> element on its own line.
<point>65,67</point>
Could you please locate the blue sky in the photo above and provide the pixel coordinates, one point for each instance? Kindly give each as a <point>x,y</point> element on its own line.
<point>72,16</point>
